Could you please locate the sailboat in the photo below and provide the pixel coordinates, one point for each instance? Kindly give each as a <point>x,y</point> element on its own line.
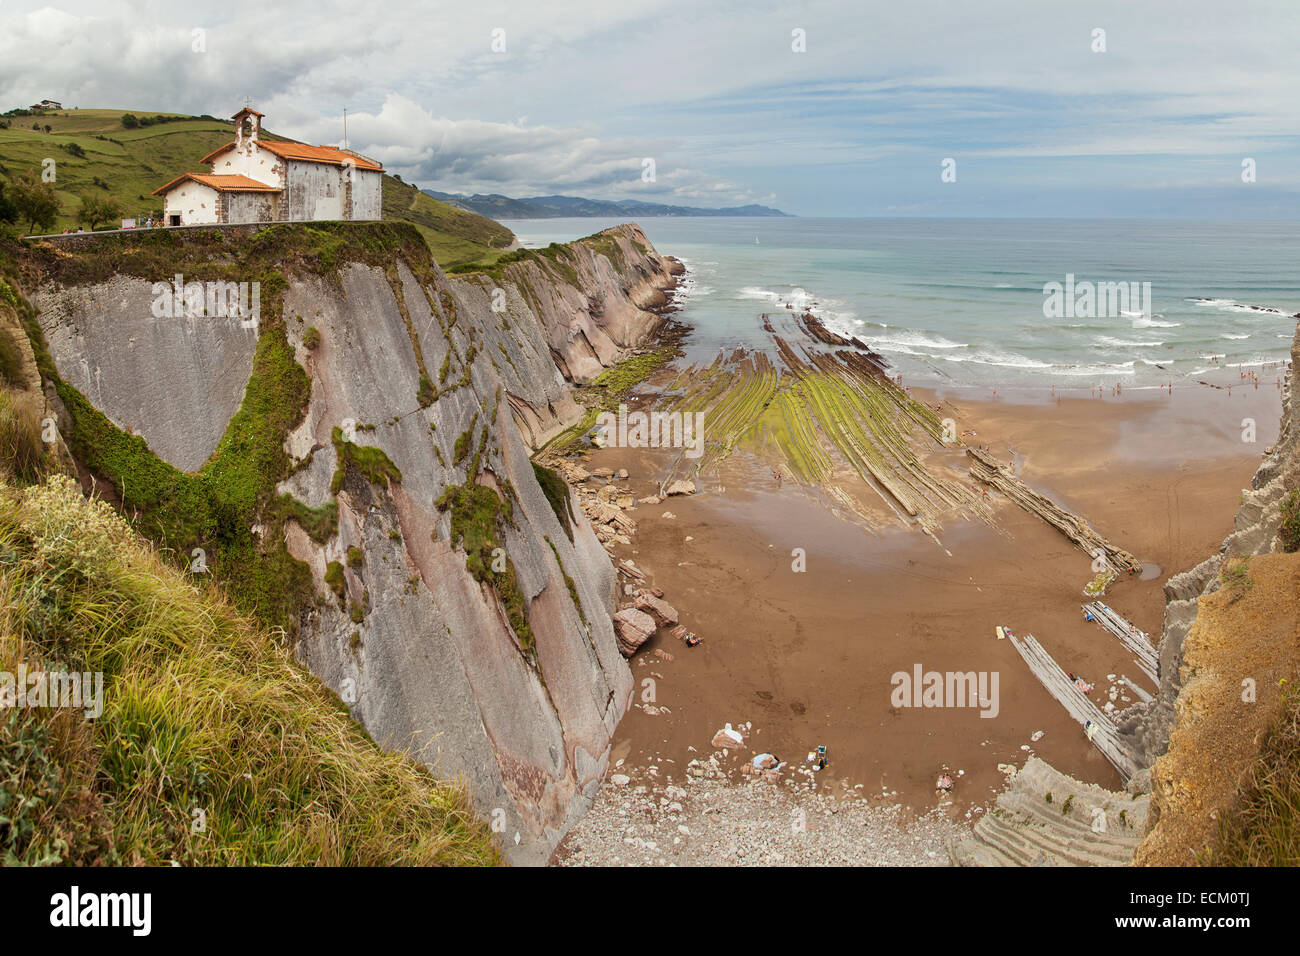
<point>756,240</point>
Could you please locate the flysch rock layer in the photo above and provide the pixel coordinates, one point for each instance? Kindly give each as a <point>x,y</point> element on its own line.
<point>434,667</point>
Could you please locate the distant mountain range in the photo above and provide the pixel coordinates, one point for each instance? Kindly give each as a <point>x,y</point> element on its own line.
<point>557,207</point>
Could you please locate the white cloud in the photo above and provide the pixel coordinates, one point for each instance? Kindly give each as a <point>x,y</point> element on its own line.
<point>713,92</point>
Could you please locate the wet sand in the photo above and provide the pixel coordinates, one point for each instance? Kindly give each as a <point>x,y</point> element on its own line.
<point>808,657</point>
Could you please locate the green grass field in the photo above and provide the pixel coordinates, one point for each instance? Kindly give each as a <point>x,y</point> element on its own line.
<point>129,164</point>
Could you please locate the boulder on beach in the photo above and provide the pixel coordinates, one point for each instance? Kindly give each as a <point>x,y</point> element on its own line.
<point>665,614</point>
<point>728,738</point>
<point>682,487</point>
<point>632,628</point>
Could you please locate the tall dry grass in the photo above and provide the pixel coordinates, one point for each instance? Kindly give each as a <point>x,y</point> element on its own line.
<point>207,719</point>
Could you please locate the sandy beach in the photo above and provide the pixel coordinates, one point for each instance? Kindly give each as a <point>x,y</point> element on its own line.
<point>806,658</point>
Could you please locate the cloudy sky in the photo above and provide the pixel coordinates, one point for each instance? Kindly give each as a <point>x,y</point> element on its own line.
<point>572,96</point>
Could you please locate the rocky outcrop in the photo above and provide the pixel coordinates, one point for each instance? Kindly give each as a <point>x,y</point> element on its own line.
<point>984,467</point>
<point>1045,818</point>
<point>563,317</point>
<point>422,386</point>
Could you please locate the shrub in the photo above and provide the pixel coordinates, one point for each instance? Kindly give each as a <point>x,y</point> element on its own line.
<point>1289,532</point>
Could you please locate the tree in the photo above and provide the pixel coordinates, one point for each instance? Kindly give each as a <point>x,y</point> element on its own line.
<point>36,203</point>
<point>8,211</point>
<point>96,210</point>
<point>130,121</point>
<point>48,128</point>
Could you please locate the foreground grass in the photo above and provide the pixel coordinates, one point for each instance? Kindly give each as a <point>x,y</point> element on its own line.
<point>1264,828</point>
<point>214,747</point>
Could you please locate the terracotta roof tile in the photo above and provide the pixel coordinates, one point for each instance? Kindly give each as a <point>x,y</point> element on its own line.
<point>237,184</point>
<point>307,154</point>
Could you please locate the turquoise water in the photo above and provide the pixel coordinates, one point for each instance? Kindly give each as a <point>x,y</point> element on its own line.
<point>962,301</point>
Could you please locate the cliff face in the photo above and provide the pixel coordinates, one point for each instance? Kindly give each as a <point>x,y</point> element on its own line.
<point>442,595</point>
<point>1255,531</point>
<point>561,320</point>
<point>1230,642</point>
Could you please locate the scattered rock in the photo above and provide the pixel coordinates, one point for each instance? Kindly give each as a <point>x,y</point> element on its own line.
<point>681,487</point>
<point>728,739</point>
<point>665,614</point>
<point>632,628</point>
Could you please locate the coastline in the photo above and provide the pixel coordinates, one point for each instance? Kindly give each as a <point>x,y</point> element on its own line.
<point>806,659</point>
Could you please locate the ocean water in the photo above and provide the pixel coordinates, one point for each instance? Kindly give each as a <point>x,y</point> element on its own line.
<point>962,301</point>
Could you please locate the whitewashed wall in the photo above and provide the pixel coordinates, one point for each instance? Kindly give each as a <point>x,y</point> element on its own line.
<point>196,203</point>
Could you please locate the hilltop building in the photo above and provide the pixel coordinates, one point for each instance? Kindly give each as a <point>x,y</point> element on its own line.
<point>256,180</point>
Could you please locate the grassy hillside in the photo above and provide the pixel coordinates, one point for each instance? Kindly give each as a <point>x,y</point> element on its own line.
<point>456,237</point>
<point>95,155</point>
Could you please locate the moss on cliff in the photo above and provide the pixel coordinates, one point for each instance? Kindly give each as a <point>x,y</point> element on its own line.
<point>607,390</point>
<point>218,507</point>
<point>557,493</point>
<point>477,512</point>
<point>369,461</point>
<point>320,523</point>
